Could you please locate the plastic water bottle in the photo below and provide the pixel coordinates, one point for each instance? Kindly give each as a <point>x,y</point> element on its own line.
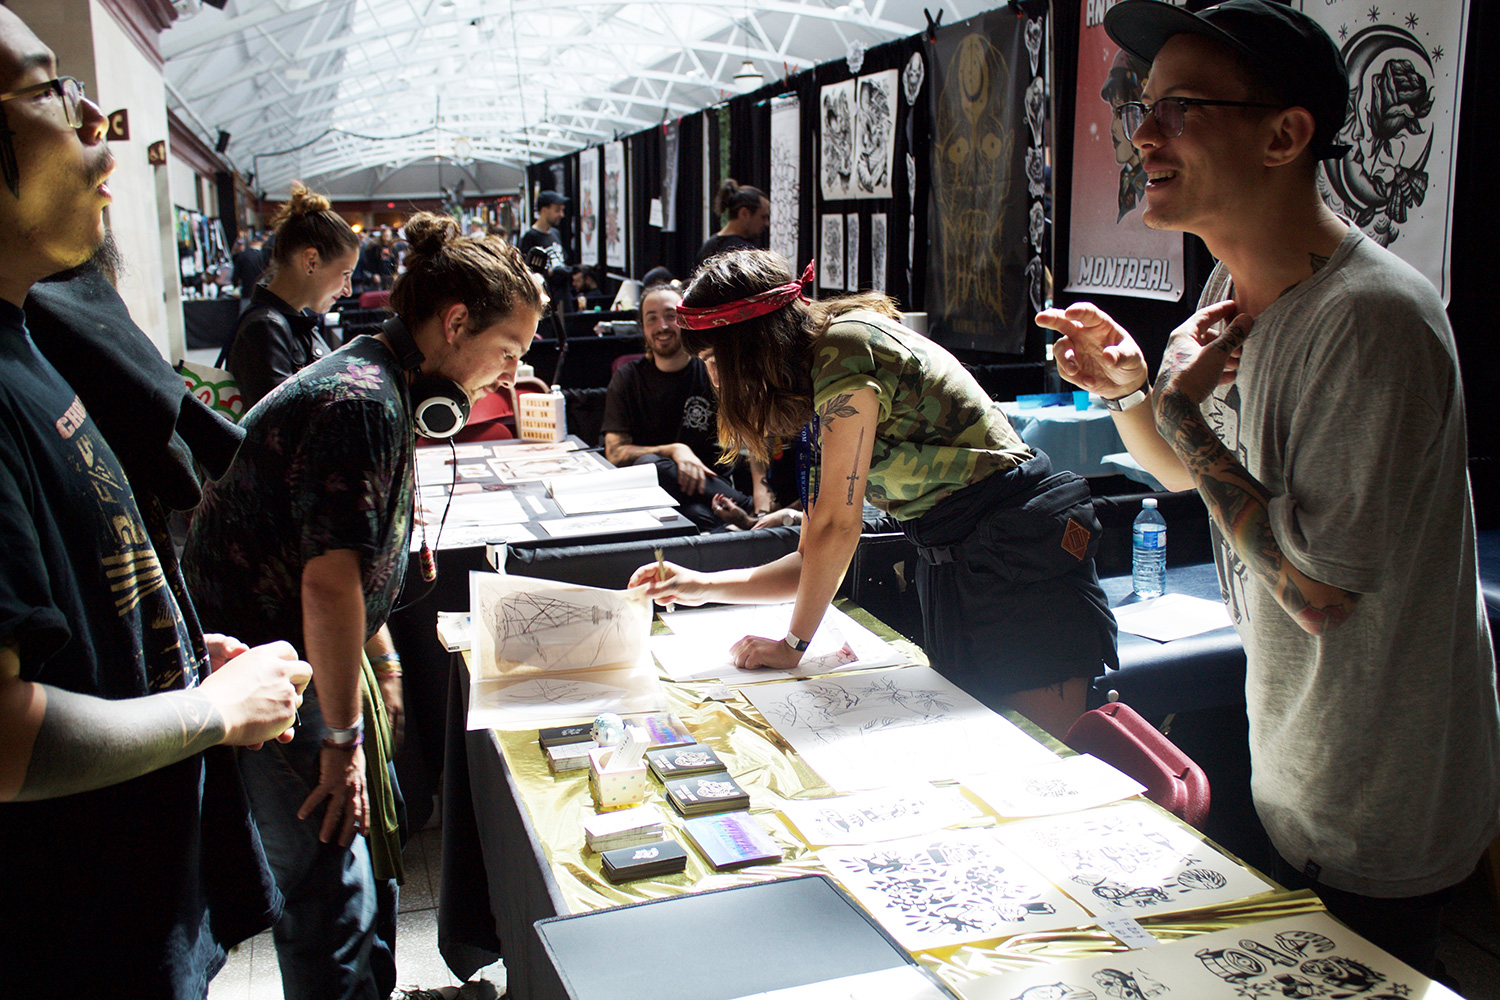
<point>1148,551</point>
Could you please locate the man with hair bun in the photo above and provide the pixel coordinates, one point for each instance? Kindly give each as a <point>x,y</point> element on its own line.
<point>306,539</point>
<point>747,216</point>
<point>315,254</point>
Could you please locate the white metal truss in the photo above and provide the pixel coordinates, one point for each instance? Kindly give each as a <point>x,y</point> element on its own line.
<point>321,89</point>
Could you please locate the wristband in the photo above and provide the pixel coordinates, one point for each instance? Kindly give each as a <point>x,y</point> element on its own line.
<point>386,665</point>
<point>800,645</point>
<point>1126,402</point>
<point>330,744</point>
<point>345,739</point>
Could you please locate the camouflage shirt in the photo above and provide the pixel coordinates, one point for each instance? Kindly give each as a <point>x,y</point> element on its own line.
<point>937,430</point>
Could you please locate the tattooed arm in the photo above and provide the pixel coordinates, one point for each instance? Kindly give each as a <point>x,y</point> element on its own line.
<point>55,742</point>
<point>1237,503</point>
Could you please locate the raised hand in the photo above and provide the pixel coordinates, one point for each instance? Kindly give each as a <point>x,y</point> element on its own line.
<point>1094,352</point>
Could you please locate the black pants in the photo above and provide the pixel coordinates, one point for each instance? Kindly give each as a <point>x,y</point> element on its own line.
<point>696,507</point>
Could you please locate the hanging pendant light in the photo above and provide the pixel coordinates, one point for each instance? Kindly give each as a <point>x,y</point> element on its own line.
<point>748,78</point>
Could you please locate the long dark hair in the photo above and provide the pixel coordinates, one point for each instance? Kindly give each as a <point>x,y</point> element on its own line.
<point>765,364</point>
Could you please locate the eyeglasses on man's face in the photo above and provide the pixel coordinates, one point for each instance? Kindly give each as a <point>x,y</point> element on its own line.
<point>1169,111</point>
<point>67,89</point>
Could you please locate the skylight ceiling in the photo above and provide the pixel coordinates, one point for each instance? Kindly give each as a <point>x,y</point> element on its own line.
<point>323,90</point>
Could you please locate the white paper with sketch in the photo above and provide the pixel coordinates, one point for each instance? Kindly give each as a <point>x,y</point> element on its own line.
<point>904,982</point>
<point>882,727</point>
<point>698,648</point>
<point>545,651</point>
<point>950,887</point>
<point>881,814</point>
<point>1172,616</point>
<point>1130,858</point>
<point>631,488</point>
<point>591,524</point>
<point>536,468</point>
<point>1067,785</point>
<point>1309,955</point>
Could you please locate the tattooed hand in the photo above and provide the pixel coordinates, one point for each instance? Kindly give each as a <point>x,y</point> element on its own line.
<point>1185,366</point>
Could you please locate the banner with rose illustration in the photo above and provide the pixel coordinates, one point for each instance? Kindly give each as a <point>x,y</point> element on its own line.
<point>1405,60</point>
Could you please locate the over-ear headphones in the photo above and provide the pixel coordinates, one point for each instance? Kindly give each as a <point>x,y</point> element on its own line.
<point>439,406</point>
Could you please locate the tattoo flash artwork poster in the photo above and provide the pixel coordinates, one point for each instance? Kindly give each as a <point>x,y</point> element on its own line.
<point>588,205</point>
<point>836,122</point>
<point>878,251</point>
<point>949,888</point>
<point>851,255</point>
<point>786,176</point>
<point>1309,957</point>
<point>1129,859</point>
<point>1405,60</point>
<point>1111,249</point>
<point>875,145</point>
<point>831,253</point>
<point>614,204</point>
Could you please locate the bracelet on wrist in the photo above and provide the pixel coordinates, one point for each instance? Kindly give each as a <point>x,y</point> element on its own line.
<point>330,744</point>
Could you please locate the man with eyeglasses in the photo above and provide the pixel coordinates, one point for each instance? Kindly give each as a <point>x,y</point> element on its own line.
<point>1314,402</point>
<point>129,856</point>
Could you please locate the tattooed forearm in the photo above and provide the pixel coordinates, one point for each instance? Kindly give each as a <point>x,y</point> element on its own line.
<point>86,743</point>
<point>838,406</point>
<point>853,476</point>
<point>1239,506</point>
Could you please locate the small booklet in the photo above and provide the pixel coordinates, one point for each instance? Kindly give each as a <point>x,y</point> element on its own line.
<point>644,861</point>
<point>631,488</point>
<point>732,840</point>
<point>706,793</point>
<point>674,762</point>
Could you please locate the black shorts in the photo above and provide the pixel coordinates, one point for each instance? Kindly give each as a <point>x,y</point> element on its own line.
<point>1010,598</point>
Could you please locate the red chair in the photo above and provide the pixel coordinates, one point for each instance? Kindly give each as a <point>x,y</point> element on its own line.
<point>374,300</point>
<point>491,419</point>
<point>622,361</point>
<point>1117,734</point>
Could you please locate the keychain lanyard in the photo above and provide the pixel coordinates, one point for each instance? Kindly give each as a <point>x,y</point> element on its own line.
<point>809,461</point>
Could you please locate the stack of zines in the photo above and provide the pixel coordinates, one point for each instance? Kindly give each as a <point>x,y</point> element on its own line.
<point>674,762</point>
<point>665,857</point>
<point>732,840</point>
<point>626,828</point>
<point>698,794</point>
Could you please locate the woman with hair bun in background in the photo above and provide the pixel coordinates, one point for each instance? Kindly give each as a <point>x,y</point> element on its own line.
<point>315,253</point>
<point>306,538</point>
<point>747,213</point>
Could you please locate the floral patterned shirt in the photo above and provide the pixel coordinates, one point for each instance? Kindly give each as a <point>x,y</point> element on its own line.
<point>326,465</point>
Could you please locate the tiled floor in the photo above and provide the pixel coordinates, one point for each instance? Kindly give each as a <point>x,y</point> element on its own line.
<point>252,974</point>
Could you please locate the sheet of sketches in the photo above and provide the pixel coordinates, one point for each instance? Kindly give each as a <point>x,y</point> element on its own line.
<point>878,815</point>
<point>831,254</point>
<point>786,175</point>
<point>1309,956</point>
<point>836,112</point>
<point>875,143</point>
<point>1130,858</point>
<point>524,623</point>
<point>950,887</point>
<point>882,727</point>
<point>1068,785</point>
<point>851,255</point>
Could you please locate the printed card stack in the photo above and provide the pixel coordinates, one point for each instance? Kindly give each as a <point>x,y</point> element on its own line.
<point>645,861</point>
<point>698,794</point>
<point>627,828</point>
<point>732,840</point>
<point>674,762</point>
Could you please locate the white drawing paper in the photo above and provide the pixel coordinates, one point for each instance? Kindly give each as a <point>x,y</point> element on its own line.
<point>831,253</point>
<point>877,815</point>
<point>614,204</point>
<point>534,469</point>
<point>882,727</point>
<point>949,888</point>
<point>1067,785</point>
<point>1130,858</point>
<point>531,449</point>
<point>786,176</point>
<point>593,524</point>
<point>1172,616</point>
<point>836,112</point>
<point>875,144</point>
<point>609,489</point>
<point>851,252</point>
<point>1308,956</point>
<point>558,699</point>
<point>878,251</point>
<point>698,648</point>
<point>588,205</point>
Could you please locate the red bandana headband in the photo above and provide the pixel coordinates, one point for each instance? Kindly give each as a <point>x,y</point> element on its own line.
<point>752,307</point>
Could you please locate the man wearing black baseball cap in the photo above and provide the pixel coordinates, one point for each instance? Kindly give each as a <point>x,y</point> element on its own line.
<point>1314,401</point>
<point>551,207</point>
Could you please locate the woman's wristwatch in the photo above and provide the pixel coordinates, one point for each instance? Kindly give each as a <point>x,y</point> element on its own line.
<point>1126,402</point>
<point>800,645</point>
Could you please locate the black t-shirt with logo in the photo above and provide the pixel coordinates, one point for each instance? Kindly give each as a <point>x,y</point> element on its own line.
<point>656,407</point>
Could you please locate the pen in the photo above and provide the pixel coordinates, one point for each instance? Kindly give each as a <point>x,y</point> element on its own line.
<point>661,575</point>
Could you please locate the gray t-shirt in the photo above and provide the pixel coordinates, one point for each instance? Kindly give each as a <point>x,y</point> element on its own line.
<point>1376,747</point>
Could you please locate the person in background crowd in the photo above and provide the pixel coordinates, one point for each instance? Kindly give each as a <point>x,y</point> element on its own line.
<point>659,410</point>
<point>249,265</point>
<point>306,539</point>
<point>130,862</point>
<point>543,234</point>
<point>1315,356</point>
<point>747,214</point>
<point>884,414</point>
<point>279,334</point>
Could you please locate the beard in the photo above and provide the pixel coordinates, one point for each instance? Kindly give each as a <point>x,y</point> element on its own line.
<point>106,259</point>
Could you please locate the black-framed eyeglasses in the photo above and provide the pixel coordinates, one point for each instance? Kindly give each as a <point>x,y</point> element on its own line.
<point>68,89</point>
<point>1168,113</point>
